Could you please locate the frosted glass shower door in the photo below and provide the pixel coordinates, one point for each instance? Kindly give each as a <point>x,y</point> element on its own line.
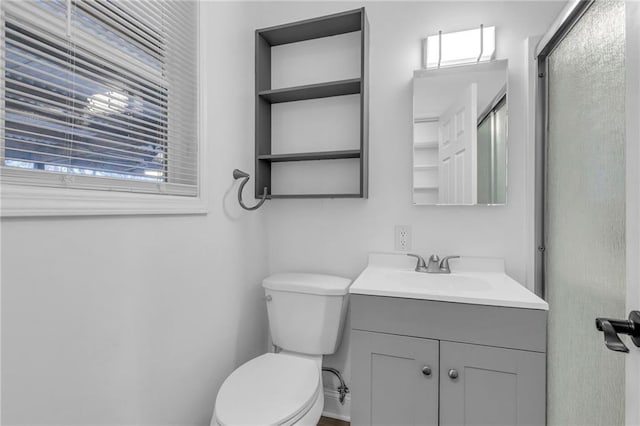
<point>585,218</point>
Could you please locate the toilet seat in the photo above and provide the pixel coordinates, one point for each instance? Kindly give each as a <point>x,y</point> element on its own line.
<point>272,389</point>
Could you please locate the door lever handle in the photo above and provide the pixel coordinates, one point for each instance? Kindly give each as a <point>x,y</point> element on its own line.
<point>611,328</point>
<point>611,338</point>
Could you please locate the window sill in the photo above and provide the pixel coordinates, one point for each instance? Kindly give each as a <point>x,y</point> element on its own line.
<point>26,201</point>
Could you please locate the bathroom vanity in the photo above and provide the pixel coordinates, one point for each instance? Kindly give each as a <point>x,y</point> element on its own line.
<point>446,349</point>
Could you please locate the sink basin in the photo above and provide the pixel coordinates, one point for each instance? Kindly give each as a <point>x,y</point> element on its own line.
<point>472,281</point>
<point>438,283</point>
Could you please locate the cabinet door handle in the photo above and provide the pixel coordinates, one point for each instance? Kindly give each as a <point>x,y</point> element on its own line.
<point>426,370</point>
<point>453,374</point>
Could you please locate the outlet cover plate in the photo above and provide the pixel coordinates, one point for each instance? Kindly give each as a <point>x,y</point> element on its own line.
<point>402,238</point>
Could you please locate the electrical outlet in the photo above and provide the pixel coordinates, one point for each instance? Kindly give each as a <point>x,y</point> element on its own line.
<point>403,238</point>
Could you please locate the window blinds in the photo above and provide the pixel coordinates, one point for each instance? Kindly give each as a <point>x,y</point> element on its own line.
<point>100,94</point>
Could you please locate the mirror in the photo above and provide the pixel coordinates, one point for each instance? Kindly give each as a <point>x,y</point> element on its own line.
<point>460,135</point>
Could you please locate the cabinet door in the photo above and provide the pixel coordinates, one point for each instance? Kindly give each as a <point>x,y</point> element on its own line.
<point>389,386</point>
<point>494,386</point>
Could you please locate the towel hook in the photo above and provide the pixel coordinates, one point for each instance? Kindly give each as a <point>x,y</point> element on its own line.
<point>239,174</point>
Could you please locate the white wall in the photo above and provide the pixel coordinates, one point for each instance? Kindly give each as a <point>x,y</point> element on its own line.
<point>334,236</point>
<point>137,320</point>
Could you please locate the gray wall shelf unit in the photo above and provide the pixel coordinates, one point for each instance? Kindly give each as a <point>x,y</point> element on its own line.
<point>326,26</point>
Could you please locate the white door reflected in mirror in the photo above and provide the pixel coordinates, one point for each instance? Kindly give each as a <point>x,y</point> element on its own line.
<point>460,135</point>
<point>457,143</point>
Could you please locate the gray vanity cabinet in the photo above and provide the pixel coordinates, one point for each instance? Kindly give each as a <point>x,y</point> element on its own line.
<point>494,386</point>
<point>398,379</point>
<point>485,364</point>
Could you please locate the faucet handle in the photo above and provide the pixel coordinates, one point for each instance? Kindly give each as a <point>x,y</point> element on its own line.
<point>444,264</point>
<point>420,265</point>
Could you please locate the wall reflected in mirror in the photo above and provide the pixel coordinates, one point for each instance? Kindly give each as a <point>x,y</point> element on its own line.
<point>460,132</point>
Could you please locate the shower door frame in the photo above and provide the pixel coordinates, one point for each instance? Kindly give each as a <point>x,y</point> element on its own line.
<point>567,18</point>
<point>556,33</point>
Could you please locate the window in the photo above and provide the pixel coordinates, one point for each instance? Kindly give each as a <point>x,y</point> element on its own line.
<point>457,48</point>
<point>100,95</point>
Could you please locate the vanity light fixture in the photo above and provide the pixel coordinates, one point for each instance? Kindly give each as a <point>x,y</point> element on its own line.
<point>457,48</point>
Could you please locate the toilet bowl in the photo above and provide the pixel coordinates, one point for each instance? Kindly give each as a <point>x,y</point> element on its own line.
<point>306,318</point>
<point>272,389</point>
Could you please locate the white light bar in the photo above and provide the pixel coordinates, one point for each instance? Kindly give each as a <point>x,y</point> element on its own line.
<point>462,47</point>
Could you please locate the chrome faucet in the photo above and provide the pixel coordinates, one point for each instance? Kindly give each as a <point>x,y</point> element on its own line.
<point>420,265</point>
<point>435,266</point>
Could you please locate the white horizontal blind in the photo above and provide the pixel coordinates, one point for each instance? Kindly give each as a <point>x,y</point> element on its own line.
<point>100,94</point>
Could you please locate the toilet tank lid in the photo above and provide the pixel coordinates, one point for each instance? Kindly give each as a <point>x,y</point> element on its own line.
<point>327,285</point>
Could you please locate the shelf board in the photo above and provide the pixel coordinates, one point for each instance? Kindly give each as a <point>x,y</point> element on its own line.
<point>312,91</point>
<point>310,156</point>
<point>425,119</point>
<point>426,167</point>
<point>426,145</point>
<point>325,26</point>
<point>272,196</point>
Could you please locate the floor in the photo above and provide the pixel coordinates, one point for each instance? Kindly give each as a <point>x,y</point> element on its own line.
<point>328,421</point>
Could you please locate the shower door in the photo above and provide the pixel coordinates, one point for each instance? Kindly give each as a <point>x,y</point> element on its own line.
<point>584,236</point>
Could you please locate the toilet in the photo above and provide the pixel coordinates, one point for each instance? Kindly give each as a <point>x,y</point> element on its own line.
<point>306,319</point>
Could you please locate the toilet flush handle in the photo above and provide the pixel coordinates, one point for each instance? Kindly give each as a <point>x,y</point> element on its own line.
<point>268,298</point>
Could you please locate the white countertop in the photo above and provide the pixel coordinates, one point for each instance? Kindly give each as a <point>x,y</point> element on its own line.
<point>479,281</point>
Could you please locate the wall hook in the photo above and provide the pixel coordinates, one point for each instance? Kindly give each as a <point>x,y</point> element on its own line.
<point>239,174</point>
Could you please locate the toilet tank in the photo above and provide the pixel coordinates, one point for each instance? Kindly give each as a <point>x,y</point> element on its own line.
<point>306,311</point>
